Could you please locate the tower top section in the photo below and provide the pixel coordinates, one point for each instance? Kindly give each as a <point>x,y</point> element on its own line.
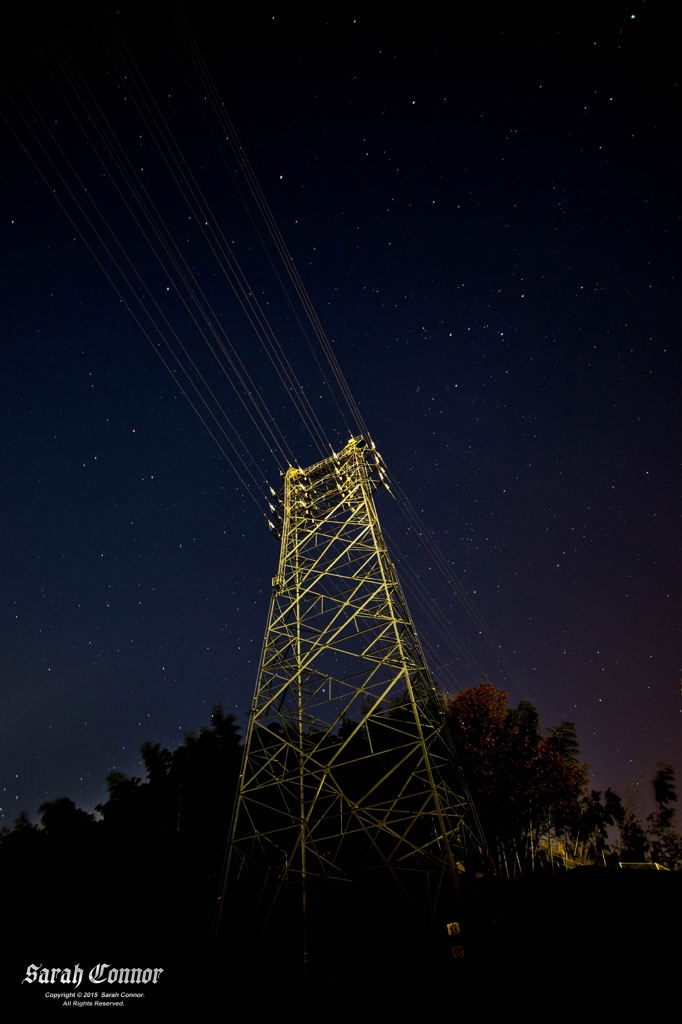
<point>329,479</point>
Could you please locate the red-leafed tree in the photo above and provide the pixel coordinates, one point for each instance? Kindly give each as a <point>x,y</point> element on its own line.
<point>526,787</point>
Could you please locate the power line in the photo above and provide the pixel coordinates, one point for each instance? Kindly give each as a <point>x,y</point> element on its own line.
<point>157,235</point>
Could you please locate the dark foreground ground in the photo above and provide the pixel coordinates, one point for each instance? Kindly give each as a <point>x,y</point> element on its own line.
<point>578,943</point>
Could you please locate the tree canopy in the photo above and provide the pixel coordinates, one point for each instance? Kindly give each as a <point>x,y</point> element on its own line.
<point>525,786</point>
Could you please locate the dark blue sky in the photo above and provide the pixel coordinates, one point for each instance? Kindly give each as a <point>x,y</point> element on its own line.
<point>485,211</point>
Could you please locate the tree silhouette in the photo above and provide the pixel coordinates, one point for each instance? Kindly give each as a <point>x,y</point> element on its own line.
<point>589,832</point>
<point>633,845</point>
<point>666,846</point>
<point>61,818</point>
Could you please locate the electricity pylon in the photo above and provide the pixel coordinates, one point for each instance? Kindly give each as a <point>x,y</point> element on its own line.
<point>347,765</point>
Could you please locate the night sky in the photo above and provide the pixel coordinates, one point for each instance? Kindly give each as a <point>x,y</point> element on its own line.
<point>485,212</point>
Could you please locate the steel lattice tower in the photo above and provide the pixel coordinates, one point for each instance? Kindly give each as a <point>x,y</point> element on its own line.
<point>347,767</point>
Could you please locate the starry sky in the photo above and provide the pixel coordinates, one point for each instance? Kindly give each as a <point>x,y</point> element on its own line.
<point>485,211</point>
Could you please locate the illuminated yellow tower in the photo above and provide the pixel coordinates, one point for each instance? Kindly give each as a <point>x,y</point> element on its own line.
<point>348,770</point>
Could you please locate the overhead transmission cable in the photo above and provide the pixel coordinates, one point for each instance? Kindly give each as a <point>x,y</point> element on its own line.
<point>424,598</point>
<point>459,590</point>
<point>164,236</point>
<point>126,302</point>
<point>172,155</point>
<point>201,211</point>
<point>299,287</point>
<point>120,269</point>
<point>277,263</point>
<point>269,219</point>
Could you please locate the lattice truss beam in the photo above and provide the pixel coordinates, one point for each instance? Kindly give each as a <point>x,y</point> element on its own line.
<point>347,765</point>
